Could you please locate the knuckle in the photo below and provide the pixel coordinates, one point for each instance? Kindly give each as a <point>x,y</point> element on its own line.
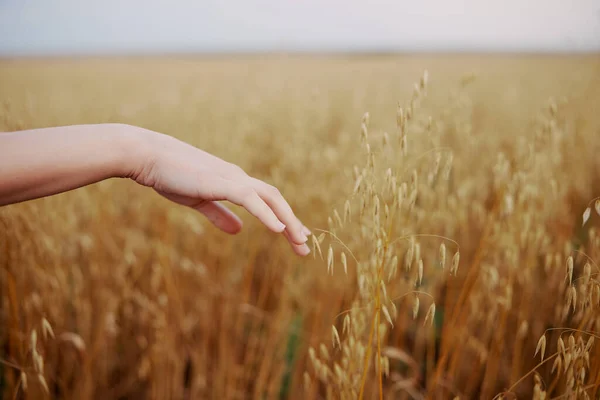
<point>246,193</point>
<point>236,169</point>
<point>273,191</point>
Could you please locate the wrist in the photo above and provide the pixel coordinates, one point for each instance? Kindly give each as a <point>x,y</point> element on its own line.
<point>133,150</point>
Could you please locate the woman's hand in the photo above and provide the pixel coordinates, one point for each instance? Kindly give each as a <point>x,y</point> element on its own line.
<point>42,162</point>
<point>193,178</point>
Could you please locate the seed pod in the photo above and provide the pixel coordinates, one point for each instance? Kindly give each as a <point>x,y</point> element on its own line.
<point>386,313</point>
<point>42,381</point>
<point>442,255</point>
<point>24,381</point>
<point>47,329</point>
<point>330,260</point>
<point>569,276</point>
<point>33,340</point>
<point>393,268</point>
<point>336,217</point>
<point>589,344</point>
<point>364,132</point>
<point>416,307</point>
<point>541,347</point>
<point>455,261</point>
<point>383,291</point>
<point>347,211</point>
<point>586,215</point>
<point>394,310</point>
<point>557,365</point>
<point>307,381</point>
<point>335,337</point>
<point>430,314</point>
<point>345,325</point>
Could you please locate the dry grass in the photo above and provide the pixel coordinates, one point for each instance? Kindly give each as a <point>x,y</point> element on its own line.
<point>146,300</point>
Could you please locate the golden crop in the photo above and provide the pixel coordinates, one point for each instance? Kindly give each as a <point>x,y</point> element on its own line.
<point>453,256</point>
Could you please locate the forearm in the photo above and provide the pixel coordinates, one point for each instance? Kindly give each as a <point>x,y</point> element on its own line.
<point>42,162</point>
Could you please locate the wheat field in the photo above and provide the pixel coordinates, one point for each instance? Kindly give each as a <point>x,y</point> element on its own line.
<point>450,255</point>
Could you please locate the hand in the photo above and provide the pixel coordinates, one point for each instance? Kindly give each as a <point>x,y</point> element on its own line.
<point>193,178</point>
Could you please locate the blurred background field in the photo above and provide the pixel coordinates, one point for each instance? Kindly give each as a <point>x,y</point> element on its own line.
<point>148,300</point>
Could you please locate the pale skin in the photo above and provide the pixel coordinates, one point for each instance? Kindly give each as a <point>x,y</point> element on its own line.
<point>42,162</point>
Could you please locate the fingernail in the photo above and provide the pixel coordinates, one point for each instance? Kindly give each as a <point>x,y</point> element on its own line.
<point>304,250</point>
<point>306,231</point>
<point>280,226</point>
<point>304,237</point>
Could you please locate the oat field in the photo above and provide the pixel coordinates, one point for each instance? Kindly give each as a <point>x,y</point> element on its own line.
<point>455,219</point>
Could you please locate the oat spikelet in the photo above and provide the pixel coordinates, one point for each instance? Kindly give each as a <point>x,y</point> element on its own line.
<point>597,206</point>
<point>442,255</point>
<point>414,179</point>
<point>561,346</point>
<point>417,251</point>
<point>338,372</point>
<point>386,366</point>
<point>541,347</point>
<point>383,290</point>
<point>364,132</point>
<point>345,325</point>
<point>557,365</point>
<point>589,344</point>
<point>357,184</point>
<point>347,211</point>
<point>394,310</point>
<point>24,381</point>
<point>344,262</point>
<point>47,329</point>
<point>42,381</point>
<point>409,254</point>
<point>365,118</point>
<point>424,80</point>
<point>586,215</point>
<point>573,297</point>
<point>455,261</point>
<point>336,217</point>
<point>399,116</point>
<point>38,362</point>
<point>420,272</point>
<point>33,340</point>
<point>335,337</point>
<point>316,246</point>
<point>430,314</point>
<point>312,354</point>
<point>587,272</point>
<point>321,238</point>
<point>307,382</point>
<point>330,260</point>
<point>416,307</point>
<point>393,268</point>
<point>569,276</point>
<point>386,313</point>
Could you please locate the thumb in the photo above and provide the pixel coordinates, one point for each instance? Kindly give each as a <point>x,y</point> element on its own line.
<point>220,216</point>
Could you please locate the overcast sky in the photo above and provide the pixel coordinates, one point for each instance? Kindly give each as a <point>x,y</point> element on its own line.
<point>125,26</point>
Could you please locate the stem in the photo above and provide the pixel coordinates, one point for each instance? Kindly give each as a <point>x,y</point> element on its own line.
<point>367,356</point>
<point>406,237</point>
<point>379,353</point>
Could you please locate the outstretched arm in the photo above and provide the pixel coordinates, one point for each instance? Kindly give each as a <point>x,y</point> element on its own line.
<point>42,162</point>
